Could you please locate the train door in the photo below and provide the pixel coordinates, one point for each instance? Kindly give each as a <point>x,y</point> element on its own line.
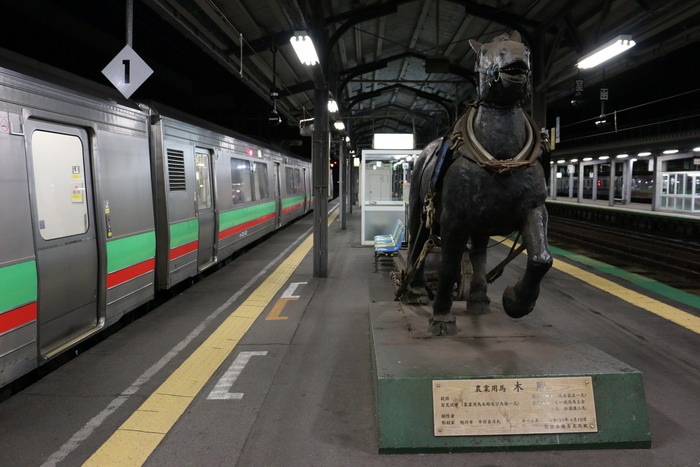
<point>206,255</point>
<point>65,233</point>
<point>304,182</point>
<point>278,196</point>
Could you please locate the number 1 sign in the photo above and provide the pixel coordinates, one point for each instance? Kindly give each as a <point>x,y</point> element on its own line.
<point>127,71</point>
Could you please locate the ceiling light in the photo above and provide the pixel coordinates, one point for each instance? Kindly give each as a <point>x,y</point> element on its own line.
<point>340,126</point>
<point>573,161</point>
<point>332,106</point>
<point>606,51</point>
<point>304,47</point>
<point>586,159</point>
<point>622,156</point>
<point>646,153</point>
<point>696,149</point>
<point>670,151</point>
<point>561,161</point>
<point>603,158</point>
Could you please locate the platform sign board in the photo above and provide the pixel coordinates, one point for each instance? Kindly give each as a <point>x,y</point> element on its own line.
<point>127,71</point>
<point>547,405</point>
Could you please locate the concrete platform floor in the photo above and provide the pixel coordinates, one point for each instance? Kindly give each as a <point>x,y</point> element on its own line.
<point>308,400</point>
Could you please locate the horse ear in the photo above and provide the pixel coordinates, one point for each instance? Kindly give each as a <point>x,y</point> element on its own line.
<point>476,45</point>
<point>515,36</point>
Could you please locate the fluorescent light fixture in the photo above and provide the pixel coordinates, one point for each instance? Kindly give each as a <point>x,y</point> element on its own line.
<point>347,139</point>
<point>603,158</point>
<point>670,151</point>
<point>646,153</point>
<point>340,126</point>
<point>561,161</point>
<point>332,106</point>
<point>304,47</point>
<point>622,156</point>
<point>393,141</point>
<point>587,159</point>
<point>696,149</point>
<point>606,52</point>
<point>573,161</point>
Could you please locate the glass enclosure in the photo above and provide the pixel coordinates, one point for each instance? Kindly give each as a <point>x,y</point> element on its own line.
<point>384,185</point>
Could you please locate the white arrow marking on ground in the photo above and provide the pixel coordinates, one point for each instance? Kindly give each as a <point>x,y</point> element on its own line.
<point>222,388</point>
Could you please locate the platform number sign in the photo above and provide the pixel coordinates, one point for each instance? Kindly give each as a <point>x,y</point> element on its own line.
<point>127,71</point>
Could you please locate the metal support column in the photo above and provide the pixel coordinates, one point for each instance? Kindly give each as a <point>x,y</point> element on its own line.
<point>611,183</point>
<point>627,181</point>
<point>320,156</point>
<point>594,184</point>
<point>579,191</point>
<point>341,182</point>
<point>351,184</point>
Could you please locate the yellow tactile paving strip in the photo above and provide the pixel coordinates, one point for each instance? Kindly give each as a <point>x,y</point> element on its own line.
<point>141,433</point>
<point>680,317</point>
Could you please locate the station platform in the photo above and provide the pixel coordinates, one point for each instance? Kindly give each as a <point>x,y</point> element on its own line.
<point>641,207</point>
<point>261,364</point>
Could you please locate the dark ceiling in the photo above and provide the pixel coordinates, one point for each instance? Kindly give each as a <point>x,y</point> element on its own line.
<point>393,65</point>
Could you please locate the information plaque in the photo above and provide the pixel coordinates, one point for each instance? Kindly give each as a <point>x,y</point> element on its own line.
<point>471,407</point>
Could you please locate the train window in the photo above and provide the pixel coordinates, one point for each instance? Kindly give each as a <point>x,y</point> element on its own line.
<point>59,181</point>
<point>241,181</point>
<point>262,187</point>
<point>293,180</point>
<point>202,174</point>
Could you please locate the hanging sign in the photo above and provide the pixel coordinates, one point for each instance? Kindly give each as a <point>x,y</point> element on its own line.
<point>127,71</point>
<point>603,94</point>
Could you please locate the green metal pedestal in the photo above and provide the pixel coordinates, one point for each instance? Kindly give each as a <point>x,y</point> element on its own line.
<point>408,362</point>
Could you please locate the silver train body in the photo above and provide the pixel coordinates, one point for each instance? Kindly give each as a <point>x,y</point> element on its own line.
<point>103,203</point>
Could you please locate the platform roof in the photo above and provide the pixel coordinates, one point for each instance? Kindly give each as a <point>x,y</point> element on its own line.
<point>392,65</point>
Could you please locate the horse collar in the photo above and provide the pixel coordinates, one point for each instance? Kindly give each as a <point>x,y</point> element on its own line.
<point>465,142</point>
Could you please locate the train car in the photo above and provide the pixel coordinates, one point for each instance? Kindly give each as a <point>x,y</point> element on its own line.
<point>104,202</point>
<point>642,185</point>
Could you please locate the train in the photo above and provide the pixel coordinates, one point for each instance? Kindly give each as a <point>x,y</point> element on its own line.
<point>105,202</point>
<point>642,187</point>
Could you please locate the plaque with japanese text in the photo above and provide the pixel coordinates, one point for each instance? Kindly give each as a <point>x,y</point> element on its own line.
<point>468,407</point>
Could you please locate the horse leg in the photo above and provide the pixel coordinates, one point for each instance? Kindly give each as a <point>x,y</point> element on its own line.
<point>443,322</point>
<point>416,293</point>
<point>478,302</point>
<point>519,299</point>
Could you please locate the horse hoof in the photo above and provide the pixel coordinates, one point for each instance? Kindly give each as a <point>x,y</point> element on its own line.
<point>442,325</point>
<point>478,306</point>
<point>513,307</point>
<point>417,298</point>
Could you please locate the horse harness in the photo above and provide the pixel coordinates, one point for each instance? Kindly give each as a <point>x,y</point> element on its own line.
<point>462,142</point>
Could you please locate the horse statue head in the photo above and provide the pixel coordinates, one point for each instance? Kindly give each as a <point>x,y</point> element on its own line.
<point>504,72</point>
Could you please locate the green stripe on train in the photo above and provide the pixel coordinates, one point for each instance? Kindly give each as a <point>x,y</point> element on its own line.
<point>18,285</point>
<point>239,216</point>
<point>182,233</point>
<point>125,252</point>
<point>292,201</point>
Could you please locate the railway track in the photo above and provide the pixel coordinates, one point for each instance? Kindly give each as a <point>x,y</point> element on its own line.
<point>658,254</point>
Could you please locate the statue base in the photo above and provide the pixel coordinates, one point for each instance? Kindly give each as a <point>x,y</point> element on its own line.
<point>497,385</point>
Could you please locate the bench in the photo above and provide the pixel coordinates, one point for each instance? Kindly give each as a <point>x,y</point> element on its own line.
<point>388,245</point>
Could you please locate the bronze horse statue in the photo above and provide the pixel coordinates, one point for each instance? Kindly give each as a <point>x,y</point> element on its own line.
<point>485,178</point>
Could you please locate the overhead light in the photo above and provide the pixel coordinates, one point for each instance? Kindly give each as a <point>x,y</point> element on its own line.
<point>332,106</point>
<point>696,149</point>
<point>573,161</point>
<point>304,47</point>
<point>586,159</point>
<point>622,156</point>
<point>670,151</point>
<point>347,139</point>
<point>646,153</point>
<point>561,161</point>
<point>603,158</point>
<point>340,126</point>
<point>606,52</point>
